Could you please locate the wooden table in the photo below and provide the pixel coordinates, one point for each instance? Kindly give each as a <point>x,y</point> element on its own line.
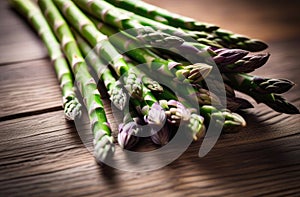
<point>42,155</point>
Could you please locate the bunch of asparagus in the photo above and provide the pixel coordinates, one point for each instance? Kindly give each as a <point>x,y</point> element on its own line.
<point>72,30</point>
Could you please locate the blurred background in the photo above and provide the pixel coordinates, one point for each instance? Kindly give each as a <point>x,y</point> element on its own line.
<point>265,19</point>
<point>269,20</point>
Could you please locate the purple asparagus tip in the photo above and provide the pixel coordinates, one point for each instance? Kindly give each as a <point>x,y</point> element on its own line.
<point>156,116</point>
<point>162,136</point>
<point>228,56</point>
<point>126,136</point>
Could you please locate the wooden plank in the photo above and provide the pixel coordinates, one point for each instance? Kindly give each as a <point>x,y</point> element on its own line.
<point>18,40</point>
<point>43,154</point>
<point>27,87</point>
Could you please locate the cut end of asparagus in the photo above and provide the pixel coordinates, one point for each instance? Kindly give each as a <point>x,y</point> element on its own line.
<point>72,108</point>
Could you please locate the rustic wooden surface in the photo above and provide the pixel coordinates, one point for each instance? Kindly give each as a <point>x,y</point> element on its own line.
<point>42,155</point>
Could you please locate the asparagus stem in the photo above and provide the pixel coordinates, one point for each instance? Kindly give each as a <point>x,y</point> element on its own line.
<point>223,57</point>
<point>117,95</point>
<point>162,15</point>
<point>234,60</point>
<point>98,40</point>
<point>113,16</point>
<point>154,115</point>
<point>187,35</point>
<point>223,37</point>
<point>227,60</point>
<point>192,73</point>
<point>263,90</point>
<point>63,73</point>
<point>103,140</point>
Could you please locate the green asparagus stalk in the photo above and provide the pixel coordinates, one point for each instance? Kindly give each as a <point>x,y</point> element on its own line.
<point>116,92</point>
<point>233,60</point>
<point>98,41</point>
<point>64,75</point>
<point>162,15</point>
<point>187,35</point>
<point>125,43</point>
<point>227,60</point>
<point>225,38</point>
<point>103,141</point>
<point>263,90</point>
<point>113,16</point>
<point>110,14</point>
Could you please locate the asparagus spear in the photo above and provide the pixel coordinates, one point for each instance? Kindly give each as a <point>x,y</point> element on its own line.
<point>128,130</point>
<point>192,73</point>
<point>259,84</point>
<point>219,117</point>
<point>263,90</point>
<point>117,95</point>
<point>225,38</point>
<point>103,141</point>
<point>114,17</point>
<point>162,15</point>
<point>98,40</point>
<point>154,115</point>
<point>227,60</point>
<point>233,60</point>
<point>151,84</point>
<point>64,75</point>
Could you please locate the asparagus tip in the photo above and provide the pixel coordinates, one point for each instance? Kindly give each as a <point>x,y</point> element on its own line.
<point>72,108</point>
<point>126,137</point>
<point>103,148</point>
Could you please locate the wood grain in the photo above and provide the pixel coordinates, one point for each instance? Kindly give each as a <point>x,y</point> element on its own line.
<point>41,154</point>
<point>28,87</point>
<point>18,41</point>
